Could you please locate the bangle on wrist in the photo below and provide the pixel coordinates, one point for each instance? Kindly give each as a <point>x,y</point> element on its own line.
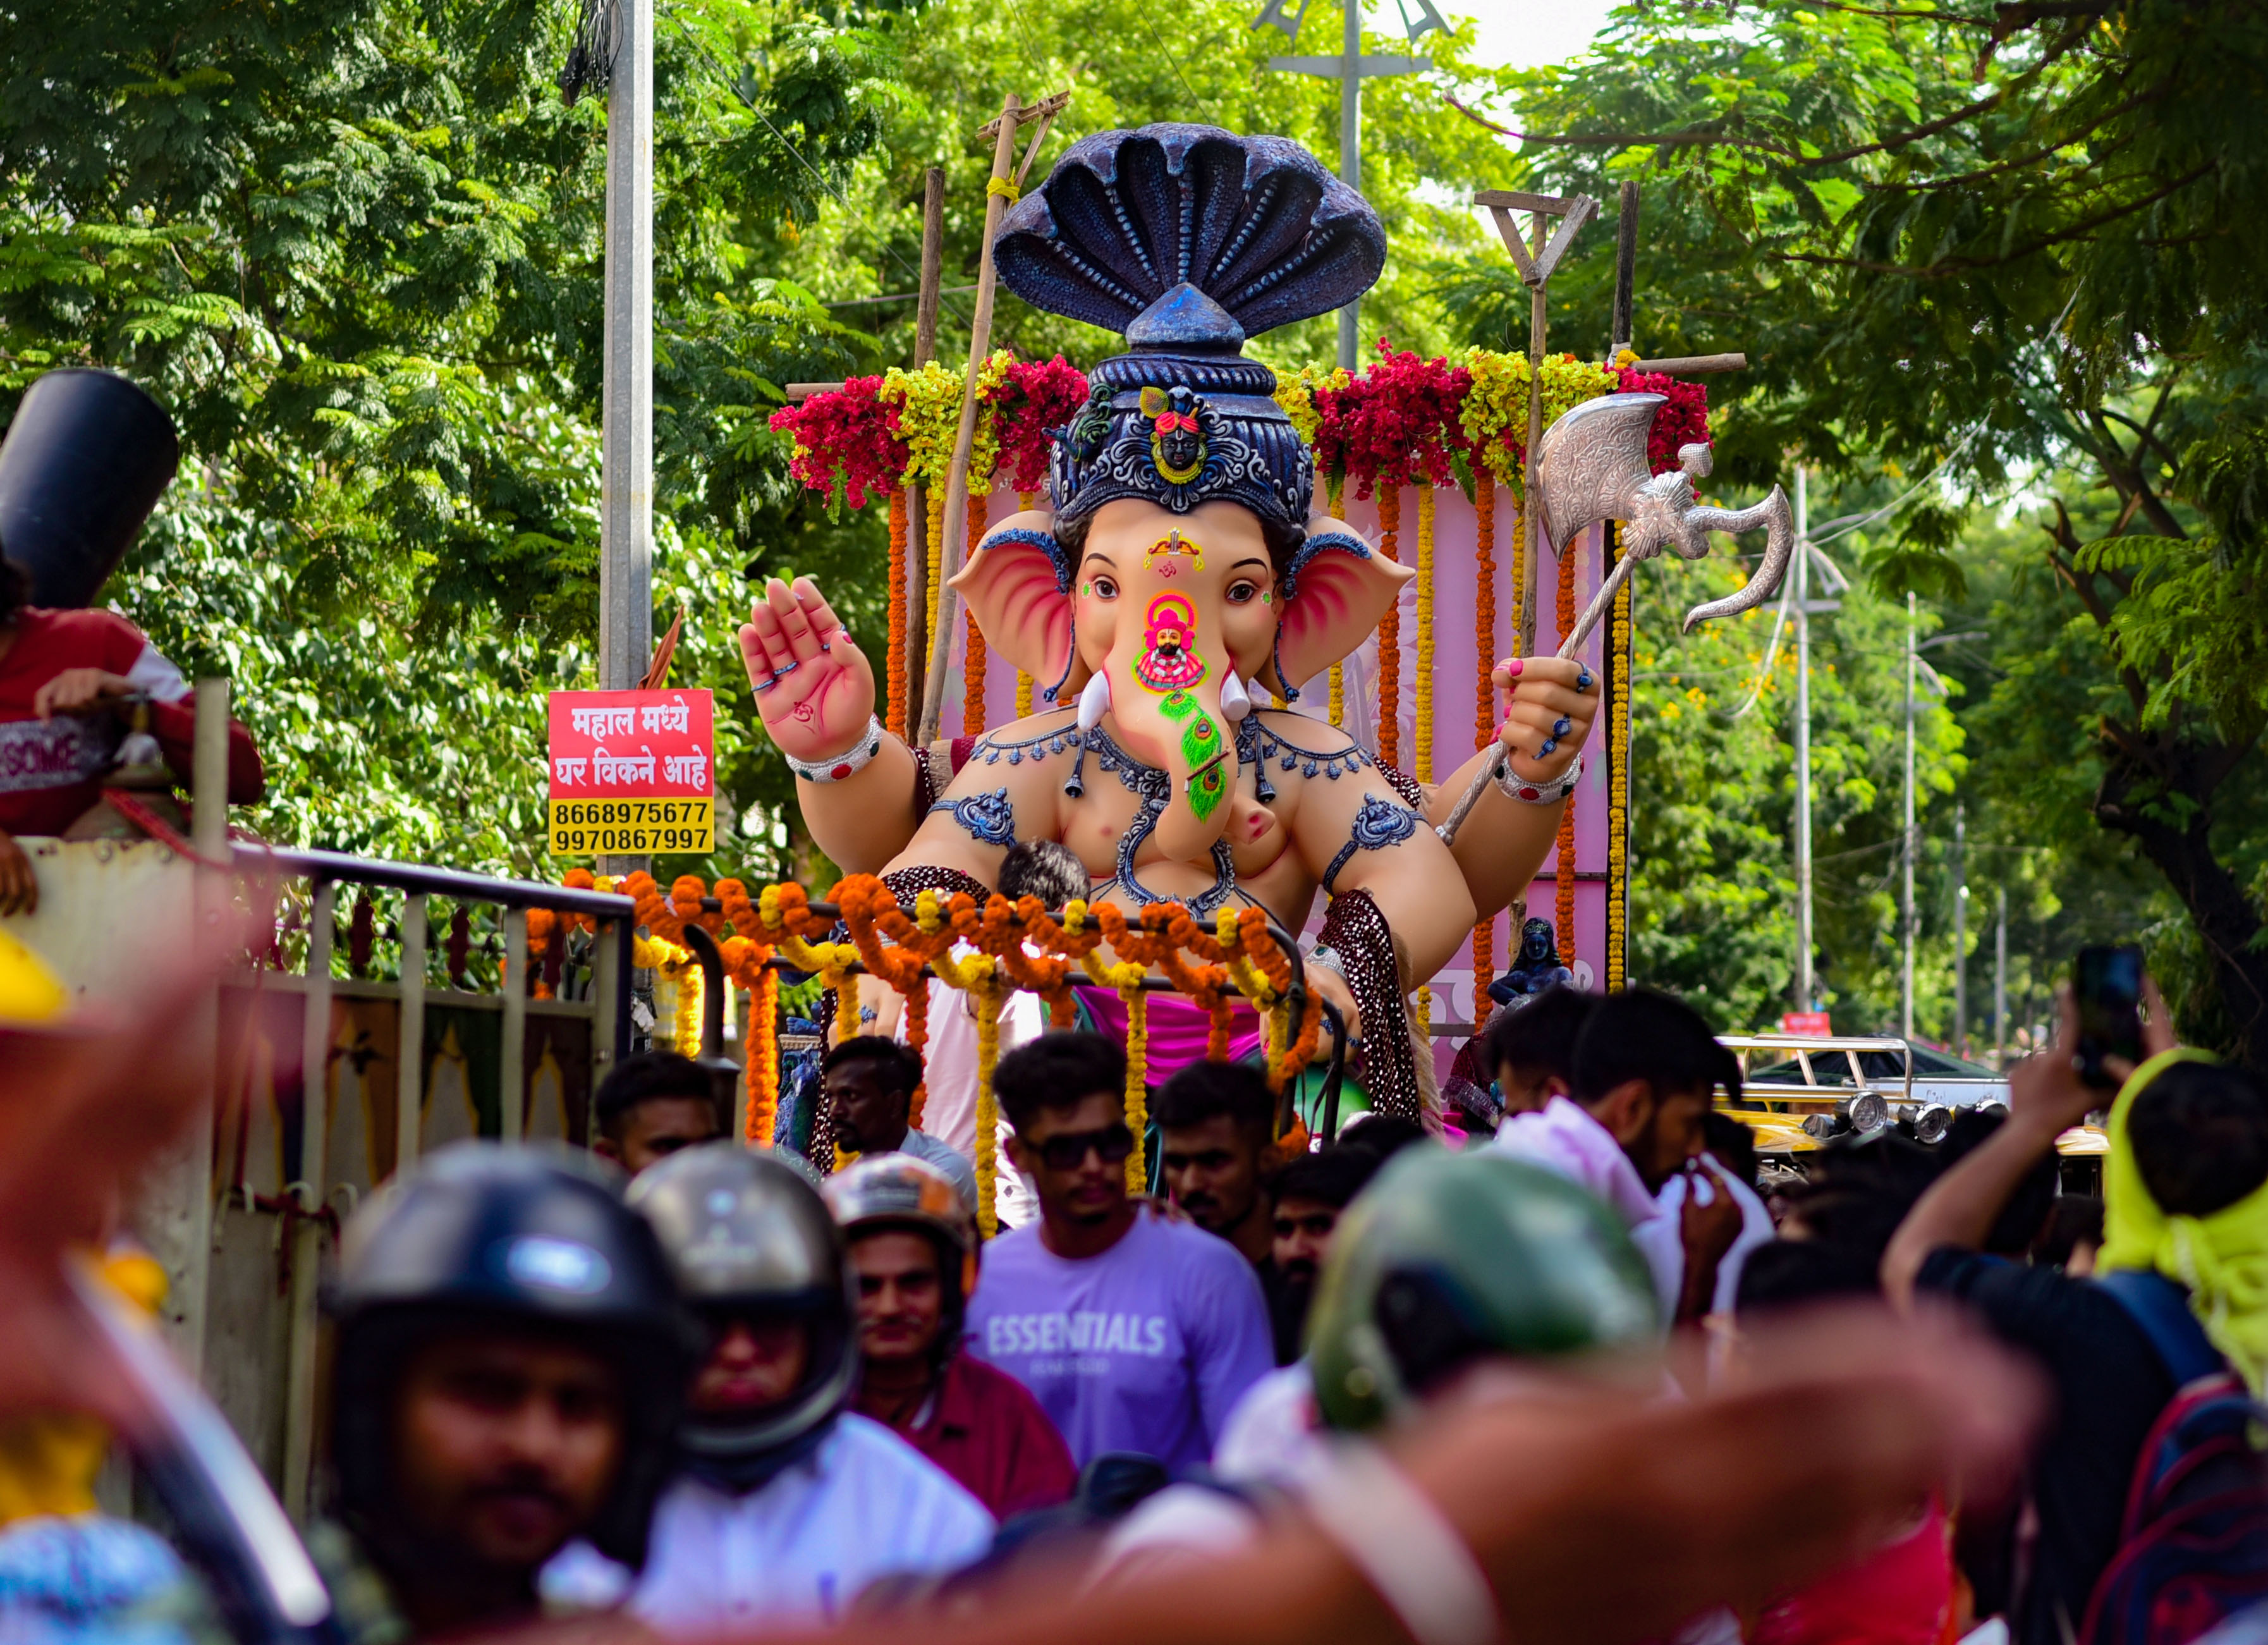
<point>1538,793</point>
<point>843,765</point>
<point>1403,1546</point>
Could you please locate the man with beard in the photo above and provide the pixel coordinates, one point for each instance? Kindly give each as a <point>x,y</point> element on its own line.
<point>1310,1193</point>
<point>1645,1069</point>
<point>869,1085</point>
<point>510,1360</point>
<point>1216,1131</point>
<point>1135,1332</point>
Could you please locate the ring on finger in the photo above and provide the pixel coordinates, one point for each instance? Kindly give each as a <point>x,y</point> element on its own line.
<point>1583,680</point>
<point>1549,744</point>
<point>1561,726</point>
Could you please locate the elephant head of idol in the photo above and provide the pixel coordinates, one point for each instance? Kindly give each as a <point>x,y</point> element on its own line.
<point>1177,574</point>
<point>1168,628</point>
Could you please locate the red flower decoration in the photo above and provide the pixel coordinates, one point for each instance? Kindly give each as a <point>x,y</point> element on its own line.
<point>1684,421</point>
<point>1396,425</point>
<point>1035,396</point>
<point>846,442</point>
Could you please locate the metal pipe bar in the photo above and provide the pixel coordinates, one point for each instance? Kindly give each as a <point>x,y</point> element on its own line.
<point>409,1061</point>
<point>450,882</point>
<point>511,1066</point>
<point>306,1234</point>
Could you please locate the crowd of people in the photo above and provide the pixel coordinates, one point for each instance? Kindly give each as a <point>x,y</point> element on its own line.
<point>702,1386</point>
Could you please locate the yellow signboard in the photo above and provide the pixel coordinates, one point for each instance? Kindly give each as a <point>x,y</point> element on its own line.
<point>591,827</point>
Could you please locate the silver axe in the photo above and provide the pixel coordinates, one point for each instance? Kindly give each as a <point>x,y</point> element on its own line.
<point>1591,465</point>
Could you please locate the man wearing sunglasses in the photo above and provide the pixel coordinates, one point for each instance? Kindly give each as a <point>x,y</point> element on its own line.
<point>1136,1333</point>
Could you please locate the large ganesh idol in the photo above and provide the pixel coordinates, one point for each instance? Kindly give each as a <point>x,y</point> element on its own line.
<point>1180,578</point>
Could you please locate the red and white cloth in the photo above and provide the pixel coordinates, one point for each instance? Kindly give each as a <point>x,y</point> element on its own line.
<point>51,769</point>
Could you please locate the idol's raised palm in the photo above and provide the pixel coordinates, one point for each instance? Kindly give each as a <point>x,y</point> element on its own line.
<point>814,687</point>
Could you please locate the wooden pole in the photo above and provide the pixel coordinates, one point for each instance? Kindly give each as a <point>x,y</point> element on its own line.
<point>1625,272</point>
<point>925,315</point>
<point>956,487</point>
<point>1532,514</point>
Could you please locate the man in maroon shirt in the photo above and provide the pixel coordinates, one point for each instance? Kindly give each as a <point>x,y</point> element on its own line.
<point>59,673</point>
<point>912,1247</point>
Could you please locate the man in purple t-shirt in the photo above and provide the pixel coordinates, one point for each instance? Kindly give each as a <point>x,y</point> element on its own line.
<point>1137,1334</point>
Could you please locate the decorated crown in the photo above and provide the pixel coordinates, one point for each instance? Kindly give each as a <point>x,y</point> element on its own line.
<point>1188,238</point>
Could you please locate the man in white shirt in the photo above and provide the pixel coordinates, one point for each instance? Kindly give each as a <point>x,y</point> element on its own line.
<point>1645,1070</point>
<point>788,1506</point>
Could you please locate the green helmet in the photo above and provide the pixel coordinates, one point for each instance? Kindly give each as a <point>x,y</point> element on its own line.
<point>1449,1258</point>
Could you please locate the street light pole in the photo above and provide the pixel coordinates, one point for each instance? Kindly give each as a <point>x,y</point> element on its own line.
<point>1960,929</point>
<point>1906,854</point>
<point>1349,68</point>
<point>1999,978</point>
<point>1804,990</point>
<point>626,464</point>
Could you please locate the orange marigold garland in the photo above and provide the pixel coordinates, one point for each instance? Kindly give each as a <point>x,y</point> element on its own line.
<point>972,671</point>
<point>1389,635</point>
<point>1563,891</point>
<point>764,1070</point>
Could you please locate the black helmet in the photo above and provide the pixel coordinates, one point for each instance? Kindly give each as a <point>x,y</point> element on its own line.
<point>747,1234</point>
<point>482,1235</point>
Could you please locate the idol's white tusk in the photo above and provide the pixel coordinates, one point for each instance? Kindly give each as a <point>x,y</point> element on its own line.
<point>1095,702</point>
<point>1235,701</point>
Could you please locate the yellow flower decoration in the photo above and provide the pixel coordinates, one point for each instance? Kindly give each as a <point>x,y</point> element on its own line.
<point>929,418</point>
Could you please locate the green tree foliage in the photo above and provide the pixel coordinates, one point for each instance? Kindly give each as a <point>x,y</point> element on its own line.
<point>354,246</point>
<point>1712,857</point>
<point>1971,249</point>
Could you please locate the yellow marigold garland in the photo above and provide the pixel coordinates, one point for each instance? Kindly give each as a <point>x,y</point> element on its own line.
<point>1564,888</point>
<point>1618,738</point>
<point>1137,1085</point>
<point>1423,753</point>
<point>1484,689</point>
<point>895,712</point>
<point>988,1110</point>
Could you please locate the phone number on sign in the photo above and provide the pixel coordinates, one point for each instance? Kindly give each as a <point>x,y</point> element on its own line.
<point>582,827</point>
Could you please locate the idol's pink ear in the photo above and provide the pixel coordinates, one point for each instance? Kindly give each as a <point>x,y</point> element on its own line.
<point>1020,600</point>
<point>1337,588</point>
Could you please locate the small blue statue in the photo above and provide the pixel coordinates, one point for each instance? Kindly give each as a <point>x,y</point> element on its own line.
<point>1536,969</point>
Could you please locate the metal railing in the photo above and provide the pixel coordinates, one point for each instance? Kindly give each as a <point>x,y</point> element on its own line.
<point>326,871</point>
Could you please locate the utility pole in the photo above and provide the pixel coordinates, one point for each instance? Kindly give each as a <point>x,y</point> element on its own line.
<point>1804,990</point>
<point>1999,978</point>
<point>1906,853</point>
<point>1960,929</point>
<point>626,482</point>
<point>1349,68</point>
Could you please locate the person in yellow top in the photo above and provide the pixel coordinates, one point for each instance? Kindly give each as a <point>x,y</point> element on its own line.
<point>2185,1200</point>
<point>68,1571</point>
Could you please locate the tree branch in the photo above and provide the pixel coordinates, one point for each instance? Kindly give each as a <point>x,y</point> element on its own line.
<point>1701,137</point>
<point>1961,265</point>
